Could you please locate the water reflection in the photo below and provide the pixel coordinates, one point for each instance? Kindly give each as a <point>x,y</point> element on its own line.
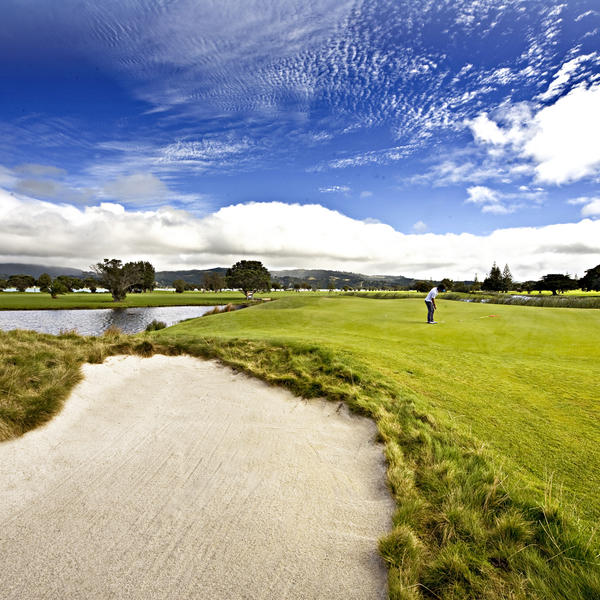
<point>96,321</point>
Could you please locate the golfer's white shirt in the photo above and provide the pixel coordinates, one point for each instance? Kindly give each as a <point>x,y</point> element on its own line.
<point>432,294</point>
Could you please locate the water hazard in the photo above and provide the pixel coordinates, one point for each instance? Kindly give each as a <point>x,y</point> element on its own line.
<point>97,321</point>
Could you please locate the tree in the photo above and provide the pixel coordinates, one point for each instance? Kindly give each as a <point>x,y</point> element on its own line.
<point>147,274</point>
<point>44,282</point>
<point>557,282</point>
<point>275,285</point>
<point>447,283</point>
<point>116,277</point>
<point>180,286</point>
<point>423,286</point>
<point>21,282</point>
<point>69,283</point>
<point>3,284</point>
<point>590,282</point>
<point>461,286</point>
<point>56,287</point>
<point>493,282</point>
<point>507,279</point>
<point>91,284</point>
<point>528,286</point>
<point>248,276</point>
<point>214,282</point>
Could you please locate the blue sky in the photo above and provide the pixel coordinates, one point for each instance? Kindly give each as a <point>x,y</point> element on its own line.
<point>423,138</point>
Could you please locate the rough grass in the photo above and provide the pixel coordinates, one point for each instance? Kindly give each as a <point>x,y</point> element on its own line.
<point>559,301</point>
<point>469,523</point>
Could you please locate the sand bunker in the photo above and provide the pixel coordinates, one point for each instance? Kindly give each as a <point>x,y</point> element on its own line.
<point>178,478</point>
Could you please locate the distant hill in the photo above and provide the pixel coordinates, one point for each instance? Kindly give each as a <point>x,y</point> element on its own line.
<point>322,279</point>
<point>193,276</point>
<point>8,269</point>
<point>317,278</point>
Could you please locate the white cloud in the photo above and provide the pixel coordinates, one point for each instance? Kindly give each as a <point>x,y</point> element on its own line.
<point>281,235</point>
<point>7,178</point>
<point>590,208</point>
<point>138,187</point>
<point>566,142</point>
<point>491,201</point>
<point>203,151</point>
<point>487,131</point>
<point>344,189</point>
<point>502,203</point>
<point>37,170</point>
<point>562,140</point>
<point>366,194</point>
<point>479,194</point>
<point>564,74</point>
<point>420,227</point>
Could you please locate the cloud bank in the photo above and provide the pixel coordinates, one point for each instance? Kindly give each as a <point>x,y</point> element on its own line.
<point>282,236</point>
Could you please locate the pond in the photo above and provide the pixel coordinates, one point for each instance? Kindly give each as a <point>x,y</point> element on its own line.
<point>96,321</point>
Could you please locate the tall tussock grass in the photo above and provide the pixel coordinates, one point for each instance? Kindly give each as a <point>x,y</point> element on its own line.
<point>463,528</point>
<point>37,372</point>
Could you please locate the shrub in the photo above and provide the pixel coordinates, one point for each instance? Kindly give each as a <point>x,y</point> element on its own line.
<point>155,325</point>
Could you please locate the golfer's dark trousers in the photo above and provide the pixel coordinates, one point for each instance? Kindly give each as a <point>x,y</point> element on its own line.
<point>430,310</point>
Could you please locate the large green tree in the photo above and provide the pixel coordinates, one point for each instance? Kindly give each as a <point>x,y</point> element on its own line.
<point>117,277</point>
<point>249,276</point>
<point>44,282</point>
<point>70,283</point>
<point>591,280</point>
<point>21,282</point>
<point>147,276</point>
<point>557,282</point>
<point>423,286</point>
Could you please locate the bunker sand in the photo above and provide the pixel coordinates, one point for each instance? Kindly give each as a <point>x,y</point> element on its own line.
<point>171,477</point>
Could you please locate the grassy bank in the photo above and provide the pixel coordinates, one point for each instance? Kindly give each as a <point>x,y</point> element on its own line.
<point>477,414</point>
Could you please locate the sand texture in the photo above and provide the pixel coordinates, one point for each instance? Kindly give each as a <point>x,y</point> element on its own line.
<point>179,478</point>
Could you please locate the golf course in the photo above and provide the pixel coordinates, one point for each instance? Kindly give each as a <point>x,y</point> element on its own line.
<point>489,421</point>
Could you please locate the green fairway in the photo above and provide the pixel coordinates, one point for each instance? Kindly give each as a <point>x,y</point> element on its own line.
<point>32,301</point>
<point>525,381</point>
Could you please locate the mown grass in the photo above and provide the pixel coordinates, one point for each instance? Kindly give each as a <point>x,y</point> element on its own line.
<point>82,300</point>
<point>471,416</point>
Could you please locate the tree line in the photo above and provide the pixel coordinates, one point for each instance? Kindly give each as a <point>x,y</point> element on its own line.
<point>502,281</point>
<point>251,276</point>
<point>111,274</point>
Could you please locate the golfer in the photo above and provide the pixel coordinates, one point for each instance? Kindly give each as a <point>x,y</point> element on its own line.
<point>430,301</point>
